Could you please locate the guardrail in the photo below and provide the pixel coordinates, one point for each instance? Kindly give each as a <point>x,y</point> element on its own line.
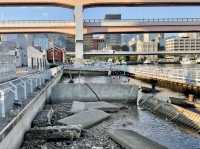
<point>188,76</point>
<point>144,20</point>
<point>18,90</point>
<point>35,21</point>
<point>107,20</point>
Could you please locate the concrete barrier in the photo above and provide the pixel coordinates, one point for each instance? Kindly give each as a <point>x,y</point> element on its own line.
<point>64,92</point>
<point>12,135</point>
<point>129,139</point>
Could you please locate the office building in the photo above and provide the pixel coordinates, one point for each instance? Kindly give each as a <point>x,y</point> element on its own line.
<point>113,39</point>
<point>182,44</point>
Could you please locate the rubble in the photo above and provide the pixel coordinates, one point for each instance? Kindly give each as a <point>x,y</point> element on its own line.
<point>43,118</point>
<point>172,112</point>
<point>101,105</point>
<point>54,133</point>
<point>85,118</point>
<point>132,140</point>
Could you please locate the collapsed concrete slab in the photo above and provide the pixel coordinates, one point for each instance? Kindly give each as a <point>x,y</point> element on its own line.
<point>129,139</point>
<point>172,112</point>
<point>104,106</point>
<point>85,118</point>
<point>64,92</point>
<point>54,132</point>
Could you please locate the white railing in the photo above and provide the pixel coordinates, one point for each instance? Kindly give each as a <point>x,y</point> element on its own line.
<point>18,90</point>
<point>190,76</point>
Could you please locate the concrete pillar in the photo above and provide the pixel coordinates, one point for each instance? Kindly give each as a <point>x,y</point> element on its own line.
<point>63,55</point>
<point>78,13</point>
<point>2,101</point>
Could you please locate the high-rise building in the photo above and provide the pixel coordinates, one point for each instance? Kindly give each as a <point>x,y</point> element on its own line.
<point>40,41</point>
<point>99,42</point>
<point>151,46</point>
<point>88,42</point>
<point>182,44</point>
<point>125,38</point>
<point>113,39</point>
<point>157,37</point>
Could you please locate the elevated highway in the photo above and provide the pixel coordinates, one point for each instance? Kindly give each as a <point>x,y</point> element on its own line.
<point>95,3</point>
<point>103,26</point>
<point>24,26</point>
<point>80,5</point>
<point>124,53</point>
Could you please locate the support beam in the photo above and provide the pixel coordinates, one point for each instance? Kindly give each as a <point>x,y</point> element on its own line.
<point>78,13</point>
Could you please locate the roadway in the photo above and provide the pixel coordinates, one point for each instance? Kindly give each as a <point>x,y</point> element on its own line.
<point>129,53</point>
<point>103,26</point>
<point>97,3</point>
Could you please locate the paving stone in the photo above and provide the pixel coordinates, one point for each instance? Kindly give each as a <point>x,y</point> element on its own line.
<point>85,118</point>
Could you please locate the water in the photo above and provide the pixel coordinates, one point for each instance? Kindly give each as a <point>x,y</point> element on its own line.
<point>147,124</point>
<point>162,131</point>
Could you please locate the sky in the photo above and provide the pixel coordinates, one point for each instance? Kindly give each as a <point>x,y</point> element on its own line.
<point>58,13</point>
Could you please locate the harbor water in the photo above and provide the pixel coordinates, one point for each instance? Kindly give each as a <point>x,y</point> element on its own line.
<point>156,128</point>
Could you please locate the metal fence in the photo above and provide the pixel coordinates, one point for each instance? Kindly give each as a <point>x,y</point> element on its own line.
<point>18,90</point>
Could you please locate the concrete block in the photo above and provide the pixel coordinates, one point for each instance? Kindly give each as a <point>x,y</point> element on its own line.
<point>129,139</point>
<point>85,118</point>
<point>104,106</point>
<point>64,92</point>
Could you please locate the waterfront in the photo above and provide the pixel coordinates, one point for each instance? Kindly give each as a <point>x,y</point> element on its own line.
<point>154,127</point>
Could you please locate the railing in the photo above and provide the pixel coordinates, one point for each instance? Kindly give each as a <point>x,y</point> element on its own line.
<point>181,75</point>
<point>144,20</point>
<point>18,90</point>
<point>106,20</point>
<point>190,76</point>
<point>34,21</point>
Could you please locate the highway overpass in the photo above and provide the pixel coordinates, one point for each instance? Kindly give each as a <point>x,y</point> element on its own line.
<point>103,26</point>
<point>80,5</point>
<point>132,53</point>
<point>96,3</point>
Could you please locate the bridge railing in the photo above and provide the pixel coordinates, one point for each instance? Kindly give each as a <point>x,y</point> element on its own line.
<point>191,77</point>
<point>34,21</point>
<point>188,76</point>
<point>144,20</point>
<point>18,91</point>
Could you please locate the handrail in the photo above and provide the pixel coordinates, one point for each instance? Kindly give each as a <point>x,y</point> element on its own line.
<point>107,20</point>
<point>144,20</point>
<point>35,21</point>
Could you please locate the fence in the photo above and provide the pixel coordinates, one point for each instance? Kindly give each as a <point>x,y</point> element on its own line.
<point>18,90</point>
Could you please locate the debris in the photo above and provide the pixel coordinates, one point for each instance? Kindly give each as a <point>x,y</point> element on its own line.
<point>54,133</point>
<point>104,106</point>
<point>85,118</point>
<point>173,112</point>
<point>129,139</point>
<point>184,102</point>
<point>43,118</point>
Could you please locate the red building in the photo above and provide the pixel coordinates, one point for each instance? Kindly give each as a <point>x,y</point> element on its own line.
<point>55,55</point>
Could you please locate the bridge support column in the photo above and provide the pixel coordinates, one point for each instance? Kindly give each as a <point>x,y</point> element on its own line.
<point>78,13</point>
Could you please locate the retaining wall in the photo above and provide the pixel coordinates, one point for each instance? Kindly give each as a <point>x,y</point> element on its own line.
<point>12,135</point>
<point>64,92</point>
